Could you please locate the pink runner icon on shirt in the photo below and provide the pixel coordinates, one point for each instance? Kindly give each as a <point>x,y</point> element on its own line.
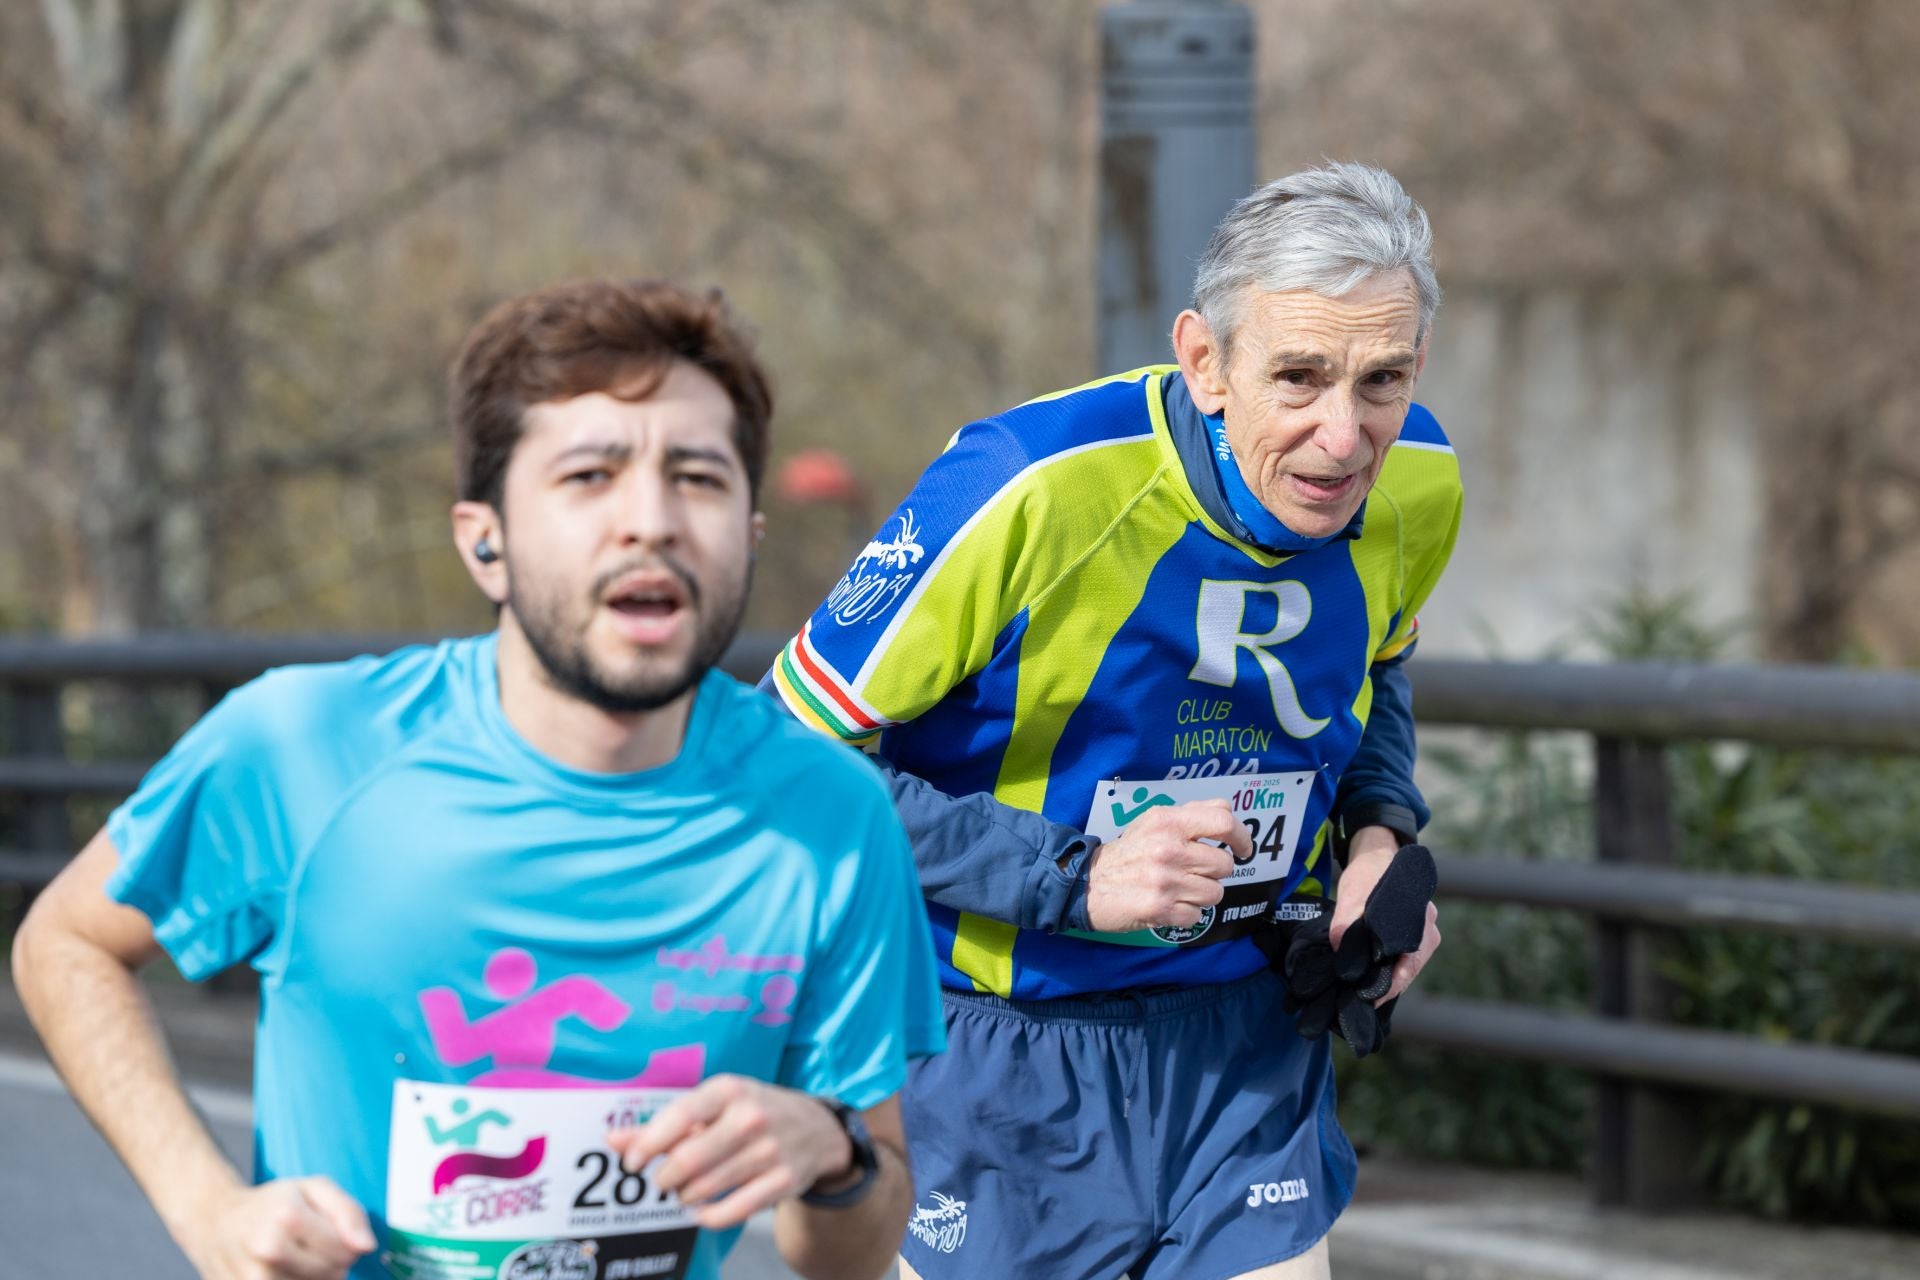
<point>520,1038</point>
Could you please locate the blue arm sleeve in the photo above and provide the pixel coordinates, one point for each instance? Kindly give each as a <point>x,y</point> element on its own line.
<point>1377,787</point>
<point>990,859</point>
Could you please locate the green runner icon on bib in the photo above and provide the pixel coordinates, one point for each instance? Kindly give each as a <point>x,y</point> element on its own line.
<point>1269,805</point>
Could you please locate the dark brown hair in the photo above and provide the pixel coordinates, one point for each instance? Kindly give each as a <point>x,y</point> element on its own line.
<point>620,337</point>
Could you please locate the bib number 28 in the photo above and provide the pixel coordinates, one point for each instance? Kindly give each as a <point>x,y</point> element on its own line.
<point>626,1189</point>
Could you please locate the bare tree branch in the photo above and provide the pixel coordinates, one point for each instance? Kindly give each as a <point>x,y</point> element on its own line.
<point>247,601</point>
<point>556,107</point>
<point>67,32</point>
<point>80,269</point>
<point>185,90</point>
<point>227,146</point>
<point>859,242</point>
<point>863,247</point>
<point>389,206</point>
<point>246,49</point>
<point>32,332</point>
<point>358,455</point>
<point>23,103</point>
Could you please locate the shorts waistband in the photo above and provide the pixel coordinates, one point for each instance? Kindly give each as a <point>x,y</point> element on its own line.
<point>1109,1006</point>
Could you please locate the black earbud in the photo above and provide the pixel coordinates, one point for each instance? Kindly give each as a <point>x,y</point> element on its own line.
<point>483,552</point>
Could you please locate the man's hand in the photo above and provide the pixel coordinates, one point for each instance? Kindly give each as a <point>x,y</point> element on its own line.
<point>757,1141</point>
<point>1369,854</point>
<point>1160,871</point>
<point>294,1229</point>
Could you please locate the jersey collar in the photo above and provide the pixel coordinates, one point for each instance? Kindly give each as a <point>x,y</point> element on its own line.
<point>1222,491</point>
<point>532,765</point>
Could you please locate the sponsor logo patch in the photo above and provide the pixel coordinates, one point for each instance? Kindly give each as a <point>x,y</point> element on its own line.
<point>1286,1191</point>
<point>943,1226</point>
<point>880,574</point>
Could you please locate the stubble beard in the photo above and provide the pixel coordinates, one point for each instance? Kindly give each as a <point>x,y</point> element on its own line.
<point>559,643</point>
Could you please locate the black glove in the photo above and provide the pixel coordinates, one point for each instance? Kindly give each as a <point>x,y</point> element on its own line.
<point>1327,988</point>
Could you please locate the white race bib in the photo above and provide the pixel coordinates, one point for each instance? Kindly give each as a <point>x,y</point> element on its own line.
<point>1272,806</point>
<point>518,1184</point>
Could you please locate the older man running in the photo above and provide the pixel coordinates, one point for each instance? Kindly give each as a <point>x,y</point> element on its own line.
<point>1135,654</point>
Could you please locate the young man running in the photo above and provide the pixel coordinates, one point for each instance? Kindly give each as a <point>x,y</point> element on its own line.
<point>569,945</point>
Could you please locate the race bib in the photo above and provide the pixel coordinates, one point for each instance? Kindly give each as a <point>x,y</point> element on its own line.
<point>1270,805</point>
<point>518,1184</point>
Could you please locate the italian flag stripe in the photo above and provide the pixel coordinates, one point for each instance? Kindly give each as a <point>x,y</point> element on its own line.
<point>808,704</point>
<point>816,671</point>
<point>804,706</point>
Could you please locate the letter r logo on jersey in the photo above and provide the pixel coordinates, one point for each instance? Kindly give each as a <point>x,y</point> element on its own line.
<point>1221,618</point>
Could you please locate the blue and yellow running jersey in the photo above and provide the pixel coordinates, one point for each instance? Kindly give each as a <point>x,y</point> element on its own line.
<point>1054,618</point>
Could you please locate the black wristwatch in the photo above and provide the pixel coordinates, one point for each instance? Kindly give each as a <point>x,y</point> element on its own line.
<point>864,1157</point>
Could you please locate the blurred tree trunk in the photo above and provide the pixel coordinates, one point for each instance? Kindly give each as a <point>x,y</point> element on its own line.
<point>146,131</point>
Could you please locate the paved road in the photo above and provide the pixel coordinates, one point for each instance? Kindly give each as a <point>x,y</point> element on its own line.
<point>68,1210</point>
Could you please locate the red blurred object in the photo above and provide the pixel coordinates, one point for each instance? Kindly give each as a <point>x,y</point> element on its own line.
<point>817,476</point>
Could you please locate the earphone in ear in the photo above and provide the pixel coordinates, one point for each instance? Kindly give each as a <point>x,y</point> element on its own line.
<point>483,552</point>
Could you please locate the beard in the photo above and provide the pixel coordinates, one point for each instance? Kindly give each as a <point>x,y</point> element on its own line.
<point>557,633</point>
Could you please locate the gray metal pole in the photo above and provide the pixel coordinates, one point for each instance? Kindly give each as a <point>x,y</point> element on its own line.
<point>1176,150</point>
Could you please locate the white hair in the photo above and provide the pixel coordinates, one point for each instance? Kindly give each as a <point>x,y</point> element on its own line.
<point>1326,230</point>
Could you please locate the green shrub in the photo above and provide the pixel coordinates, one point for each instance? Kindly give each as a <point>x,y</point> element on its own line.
<point>1833,817</point>
<point>1812,815</point>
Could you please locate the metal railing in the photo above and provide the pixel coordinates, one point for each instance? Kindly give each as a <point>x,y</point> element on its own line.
<point>1642,1142</point>
<point>1630,893</point>
<point>33,674</point>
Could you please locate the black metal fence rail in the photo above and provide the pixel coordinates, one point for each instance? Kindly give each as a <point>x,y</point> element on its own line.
<point>34,672</point>
<point>1631,893</point>
<point>1643,1141</point>
<point>1792,706</point>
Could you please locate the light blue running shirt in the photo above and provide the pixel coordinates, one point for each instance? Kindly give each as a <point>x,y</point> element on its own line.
<point>428,899</point>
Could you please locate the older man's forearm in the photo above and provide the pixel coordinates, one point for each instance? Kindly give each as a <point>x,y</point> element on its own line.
<point>977,855</point>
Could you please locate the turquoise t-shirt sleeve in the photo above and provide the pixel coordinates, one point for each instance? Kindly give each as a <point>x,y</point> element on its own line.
<point>871,1001</point>
<point>205,843</point>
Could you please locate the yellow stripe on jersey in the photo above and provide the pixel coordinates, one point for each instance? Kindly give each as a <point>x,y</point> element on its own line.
<point>1312,883</point>
<point>1035,529</point>
<point>983,950</point>
<point>1379,561</point>
<point>1131,375</point>
<point>1100,600</point>
<point>1416,476</point>
<point>1403,640</point>
<point>1118,563</point>
<point>798,704</point>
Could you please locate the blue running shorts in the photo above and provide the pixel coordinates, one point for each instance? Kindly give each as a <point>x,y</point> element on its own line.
<point>1187,1133</point>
